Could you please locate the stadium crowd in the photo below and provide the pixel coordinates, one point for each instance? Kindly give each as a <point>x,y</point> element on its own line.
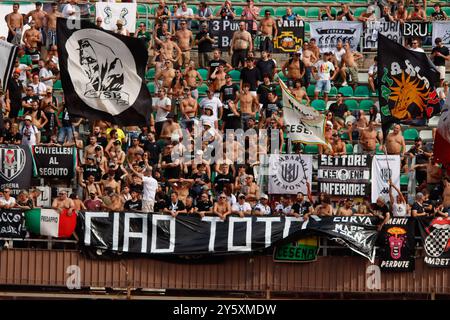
<point>132,168</point>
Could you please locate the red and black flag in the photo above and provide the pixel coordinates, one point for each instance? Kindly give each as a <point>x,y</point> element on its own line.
<point>406,85</point>
<point>103,74</point>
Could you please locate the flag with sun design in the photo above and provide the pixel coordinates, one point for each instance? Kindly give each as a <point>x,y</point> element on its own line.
<point>406,85</point>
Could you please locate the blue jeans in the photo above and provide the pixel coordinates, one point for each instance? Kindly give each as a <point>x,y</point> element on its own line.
<point>65,132</point>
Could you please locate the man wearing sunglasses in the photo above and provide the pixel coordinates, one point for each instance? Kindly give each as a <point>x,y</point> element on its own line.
<point>269,31</point>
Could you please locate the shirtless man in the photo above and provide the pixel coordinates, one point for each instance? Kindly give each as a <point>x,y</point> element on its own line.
<point>350,66</point>
<point>218,79</point>
<point>308,59</point>
<point>346,210</point>
<point>193,79</point>
<point>299,93</point>
<point>249,104</point>
<point>185,41</point>
<point>38,15</point>
<point>446,196</point>
<point>167,49</point>
<point>165,76</point>
<point>241,44</point>
<point>135,148</point>
<point>269,31</point>
<point>314,48</point>
<point>170,127</point>
<point>32,38</point>
<point>188,108</point>
<point>63,202</point>
<point>50,24</point>
<point>434,173</point>
<point>368,138</point>
<point>395,143</point>
<point>38,116</point>
<point>293,69</point>
<point>109,182</point>
<point>337,145</point>
<point>251,190</point>
<point>222,207</point>
<point>14,21</point>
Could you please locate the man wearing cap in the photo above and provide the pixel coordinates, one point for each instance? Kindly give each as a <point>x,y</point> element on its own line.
<point>120,29</point>
<point>29,132</point>
<point>440,55</point>
<point>263,207</point>
<point>241,207</point>
<point>214,102</point>
<point>204,42</point>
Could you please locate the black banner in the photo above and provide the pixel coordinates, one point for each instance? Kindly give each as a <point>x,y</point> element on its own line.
<point>222,31</point>
<point>12,223</point>
<point>291,34</point>
<point>347,175</point>
<point>191,235</point>
<point>15,167</point>
<point>414,29</point>
<point>54,162</point>
<point>103,73</point>
<point>406,84</point>
<point>435,233</point>
<point>397,253</point>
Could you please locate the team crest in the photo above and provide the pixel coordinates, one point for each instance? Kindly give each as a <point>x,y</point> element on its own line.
<point>12,162</point>
<point>437,241</point>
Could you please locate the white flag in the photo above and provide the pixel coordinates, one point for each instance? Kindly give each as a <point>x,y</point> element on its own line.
<point>384,167</point>
<point>303,123</point>
<point>288,173</point>
<point>111,12</point>
<point>8,54</point>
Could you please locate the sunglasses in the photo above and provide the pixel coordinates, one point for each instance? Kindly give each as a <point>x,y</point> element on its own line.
<point>222,197</point>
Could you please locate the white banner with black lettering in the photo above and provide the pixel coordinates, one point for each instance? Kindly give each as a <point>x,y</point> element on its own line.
<point>384,167</point>
<point>111,12</point>
<point>329,33</point>
<point>288,173</point>
<point>441,29</point>
<point>386,28</point>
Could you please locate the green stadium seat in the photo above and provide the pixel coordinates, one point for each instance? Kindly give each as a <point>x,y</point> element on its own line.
<point>278,91</point>
<point>404,179</point>
<point>365,105</point>
<point>307,26</point>
<point>310,90</point>
<point>410,134</point>
<point>345,136</point>
<point>361,91</point>
<point>351,104</point>
<point>194,8</point>
<point>281,76</point>
<point>378,149</point>
<point>349,148</point>
<point>216,9</point>
<point>359,11</point>
<point>150,74</point>
<point>446,10</point>
<point>319,105</point>
<point>203,73</point>
<point>235,75</point>
<point>313,12</point>
<point>238,10</point>
<point>333,92</point>
<point>311,149</point>
<point>263,9</point>
<point>151,87</point>
<point>346,91</point>
<point>429,11</point>
<point>280,12</point>
<point>300,11</point>
<point>202,89</point>
<point>143,9</point>
<point>297,1</point>
<point>57,85</point>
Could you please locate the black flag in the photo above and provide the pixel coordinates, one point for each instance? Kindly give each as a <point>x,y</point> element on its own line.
<point>102,74</point>
<point>406,85</point>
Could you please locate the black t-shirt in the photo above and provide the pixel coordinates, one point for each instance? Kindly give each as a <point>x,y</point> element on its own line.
<point>265,67</point>
<point>347,15</point>
<point>301,208</point>
<point>383,210</point>
<point>30,99</point>
<point>101,140</point>
<point>9,137</point>
<point>271,107</point>
<point>419,208</point>
<point>213,64</point>
<point>138,187</point>
<point>250,76</point>
<point>338,110</point>
<point>440,61</point>
<point>91,170</point>
<point>171,173</point>
<point>117,175</point>
<point>179,205</point>
<point>225,13</point>
<point>204,206</point>
<point>421,158</point>
<point>324,17</point>
<point>263,90</point>
<point>222,180</point>
<point>438,16</point>
<point>205,45</point>
<point>154,150</point>
<point>229,92</point>
<point>133,205</point>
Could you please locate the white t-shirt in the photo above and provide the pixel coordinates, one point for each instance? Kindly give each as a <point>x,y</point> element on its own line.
<point>44,73</point>
<point>372,69</point>
<point>265,210</point>
<point>285,210</point>
<point>161,114</point>
<point>10,202</point>
<point>324,69</point>
<point>417,50</point>
<point>186,13</point>
<point>241,207</point>
<point>338,54</point>
<point>30,132</point>
<point>215,103</point>
<point>150,185</point>
<point>39,88</point>
<point>399,209</point>
<point>205,118</point>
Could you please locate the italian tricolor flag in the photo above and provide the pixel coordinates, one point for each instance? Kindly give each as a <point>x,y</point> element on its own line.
<point>48,222</point>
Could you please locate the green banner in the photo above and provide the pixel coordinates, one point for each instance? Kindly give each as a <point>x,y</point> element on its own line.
<point>303,250</point>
